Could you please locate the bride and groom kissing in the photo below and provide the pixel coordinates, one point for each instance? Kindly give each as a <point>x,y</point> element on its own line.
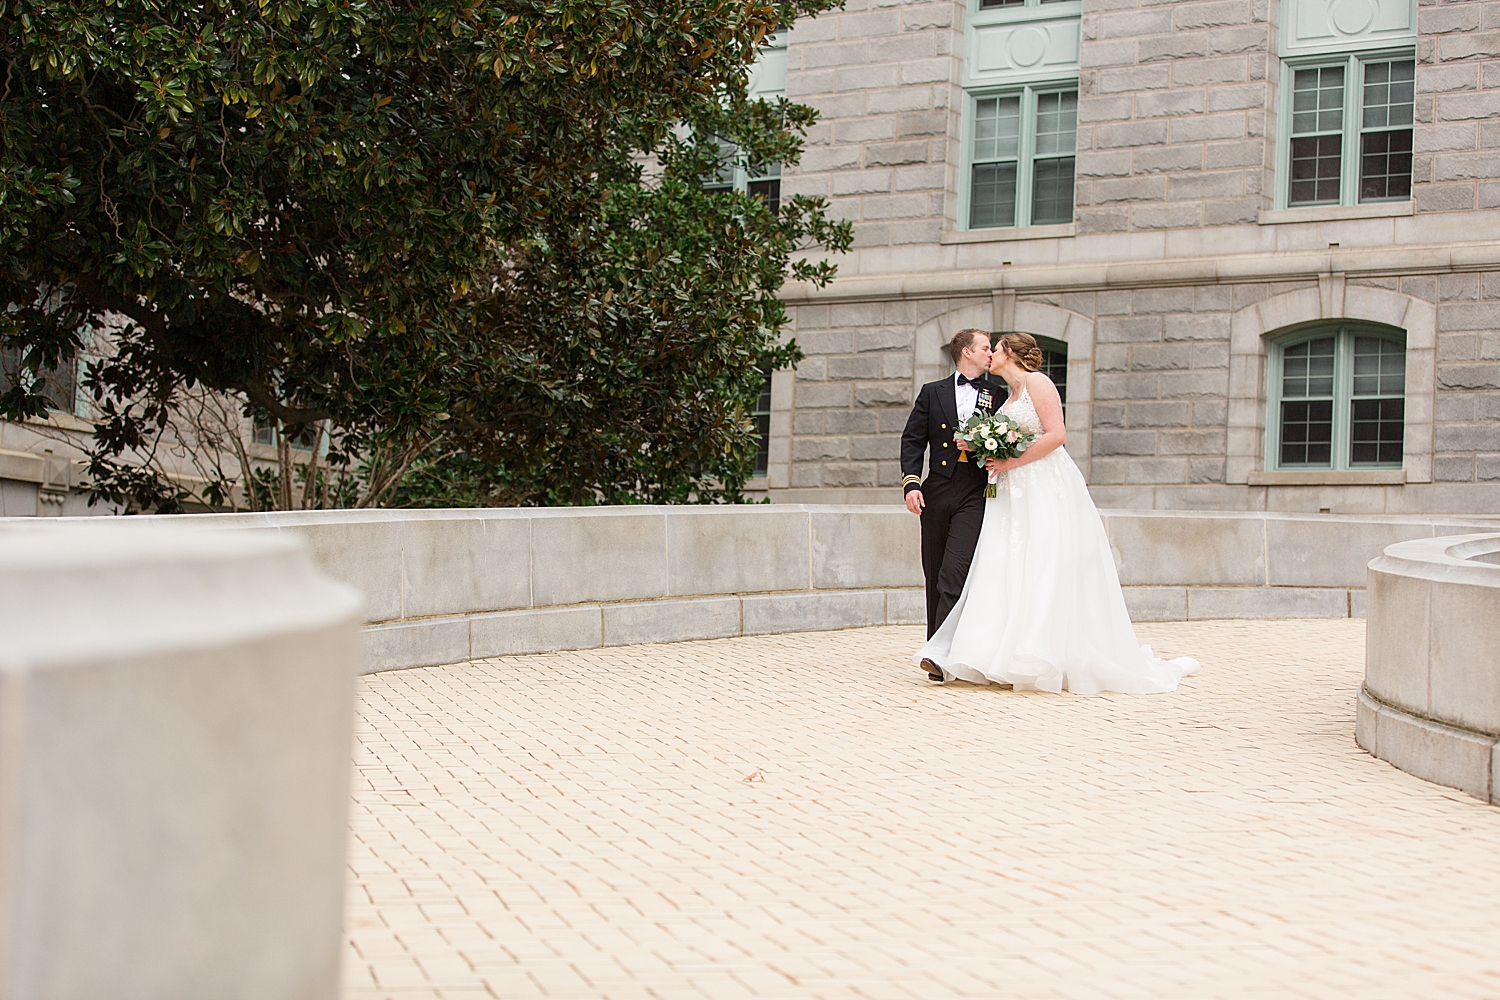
<point>1021,587</point>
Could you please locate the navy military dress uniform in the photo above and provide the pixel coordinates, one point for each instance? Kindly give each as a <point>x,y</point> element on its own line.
<point>953,491</point>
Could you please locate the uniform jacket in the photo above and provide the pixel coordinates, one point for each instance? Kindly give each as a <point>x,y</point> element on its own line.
<point>930,428</point>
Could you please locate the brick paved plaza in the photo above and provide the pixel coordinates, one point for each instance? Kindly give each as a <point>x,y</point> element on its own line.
<point>807,816</point>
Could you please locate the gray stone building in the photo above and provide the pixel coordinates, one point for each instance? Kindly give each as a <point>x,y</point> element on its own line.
<point>1260,239</point>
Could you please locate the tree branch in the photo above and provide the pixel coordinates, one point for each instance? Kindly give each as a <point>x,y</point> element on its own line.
<point>261,395</point>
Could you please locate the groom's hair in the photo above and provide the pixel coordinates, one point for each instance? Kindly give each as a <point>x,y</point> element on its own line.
<point>962,341</point>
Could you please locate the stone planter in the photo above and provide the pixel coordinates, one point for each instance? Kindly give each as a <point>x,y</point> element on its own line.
<point>1430,703</point>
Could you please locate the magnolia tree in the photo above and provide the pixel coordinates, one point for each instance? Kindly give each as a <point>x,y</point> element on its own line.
<point>418,235</point>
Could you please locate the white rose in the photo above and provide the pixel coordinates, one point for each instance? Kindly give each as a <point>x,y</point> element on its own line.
<point>991,444</point>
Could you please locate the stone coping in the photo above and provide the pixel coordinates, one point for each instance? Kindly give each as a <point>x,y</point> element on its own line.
<point>1449,559</point>
<point>1430,703</point>
<point>446,585</point>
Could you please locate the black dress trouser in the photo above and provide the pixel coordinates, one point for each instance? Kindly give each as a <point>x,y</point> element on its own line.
<point>951,520</point>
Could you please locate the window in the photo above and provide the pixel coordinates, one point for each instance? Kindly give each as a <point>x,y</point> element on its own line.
<point>760,180</point>
<point>997,4</point>
<point>762,417</point>
<point>1055,364</point>
<point>765,182</point>
<point>1350,135</point>
<point>767,82</point>
<point>1021,158</point>
<point>59,386</point>
<point>1338,399</point>
<point>265,433</point>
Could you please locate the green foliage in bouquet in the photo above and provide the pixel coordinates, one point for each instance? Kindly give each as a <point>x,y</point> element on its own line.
<point>994,435</point>
<point>468,241</point>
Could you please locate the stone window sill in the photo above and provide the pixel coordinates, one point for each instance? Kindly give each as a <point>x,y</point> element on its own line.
<point>1334,213</point>
<point>1008,234</point>
<point>62,421</point>
<point>1329,477</point>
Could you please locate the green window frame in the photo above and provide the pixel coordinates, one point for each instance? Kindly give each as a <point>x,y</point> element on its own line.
<point>1020,149</point>
<point>1010,4</point>
<point>761,415</point>
<point>1347,130</point>
<point>1055,365</point>
<point>1336,398</point>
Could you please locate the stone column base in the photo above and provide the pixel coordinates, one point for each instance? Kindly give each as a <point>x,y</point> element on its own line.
<point>1434,751</point>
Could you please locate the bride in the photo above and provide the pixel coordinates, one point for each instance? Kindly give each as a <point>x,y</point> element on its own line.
<point>1042,608</point>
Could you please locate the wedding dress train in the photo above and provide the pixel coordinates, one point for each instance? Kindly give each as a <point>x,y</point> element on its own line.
<point>1042,608</point>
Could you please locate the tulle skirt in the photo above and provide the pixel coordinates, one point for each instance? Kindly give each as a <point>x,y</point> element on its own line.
<point>1042,608</point>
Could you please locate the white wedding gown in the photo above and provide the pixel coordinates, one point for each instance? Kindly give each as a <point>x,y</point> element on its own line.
<point>1042,608</point>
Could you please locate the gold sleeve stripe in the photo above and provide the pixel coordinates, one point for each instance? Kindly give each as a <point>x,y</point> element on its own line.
<point>908,480</point>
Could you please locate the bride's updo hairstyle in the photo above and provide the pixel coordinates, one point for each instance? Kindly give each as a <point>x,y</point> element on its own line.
<point>1022,347</point>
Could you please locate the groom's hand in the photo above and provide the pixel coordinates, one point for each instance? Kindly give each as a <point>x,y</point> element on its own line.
<point>914,501</point>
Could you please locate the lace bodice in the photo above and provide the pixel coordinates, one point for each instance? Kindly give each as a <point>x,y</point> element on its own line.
<point>1020,409</point>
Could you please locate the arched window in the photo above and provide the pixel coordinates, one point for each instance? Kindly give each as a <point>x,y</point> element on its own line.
<point>1055,364</point>
<point>1336,398</point>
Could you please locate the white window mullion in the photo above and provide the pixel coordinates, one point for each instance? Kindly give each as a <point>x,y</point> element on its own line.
<point>1354,82</point>
<point>1343,386</point>
<point>1025,168</point>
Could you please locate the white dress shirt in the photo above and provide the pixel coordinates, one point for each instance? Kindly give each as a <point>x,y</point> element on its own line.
<point>967,397</point>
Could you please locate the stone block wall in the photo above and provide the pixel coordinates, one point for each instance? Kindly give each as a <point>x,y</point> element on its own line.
<point>853,394</point>
<point>1457,141</point>
<point>1466,435</point>
<point>884,79</point>
<point>1176,168</point>
<point>1175,108</point>
<point>1161,363</point>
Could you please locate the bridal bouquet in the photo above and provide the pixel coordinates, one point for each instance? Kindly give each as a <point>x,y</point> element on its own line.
<point>994,435</point>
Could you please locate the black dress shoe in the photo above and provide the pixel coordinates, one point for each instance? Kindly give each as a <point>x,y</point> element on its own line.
<point>934,672</point>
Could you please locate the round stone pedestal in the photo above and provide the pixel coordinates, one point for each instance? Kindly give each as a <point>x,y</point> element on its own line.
<point>1430,703</point>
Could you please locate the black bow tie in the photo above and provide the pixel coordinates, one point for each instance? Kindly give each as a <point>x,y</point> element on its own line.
<point>965,380</point>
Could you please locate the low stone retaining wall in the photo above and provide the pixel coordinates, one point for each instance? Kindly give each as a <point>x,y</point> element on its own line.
<point>447,585</point>
<point>1430,703</point>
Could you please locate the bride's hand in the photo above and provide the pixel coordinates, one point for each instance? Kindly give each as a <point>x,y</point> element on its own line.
<point>997,464</point>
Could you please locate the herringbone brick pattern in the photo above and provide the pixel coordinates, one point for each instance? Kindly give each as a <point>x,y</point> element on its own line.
<point>807,816</point>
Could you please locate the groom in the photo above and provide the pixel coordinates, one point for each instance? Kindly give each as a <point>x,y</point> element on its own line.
<point>951,500</point>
